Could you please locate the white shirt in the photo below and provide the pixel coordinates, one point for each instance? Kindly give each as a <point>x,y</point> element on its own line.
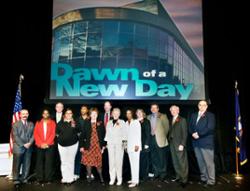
<point>44,129</point>
<point>134,135</point>
<point>174,118</point>
<point>58,117</point>
<point>199,116</point>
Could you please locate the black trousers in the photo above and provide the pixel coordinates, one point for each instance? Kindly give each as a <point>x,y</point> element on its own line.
<point>45,164</point>
<point>144,164</point>
<point>158,158</point>
<point>78,162</point>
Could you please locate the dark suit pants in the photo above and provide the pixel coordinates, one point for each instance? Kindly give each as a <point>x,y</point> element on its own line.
<point>180,163</point>
<point>21,159</point>
<point>158,158</point>
<point>144,164</point>
<point>45,164</point>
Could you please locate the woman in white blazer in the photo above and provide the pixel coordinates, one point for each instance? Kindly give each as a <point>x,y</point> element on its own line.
<point>116,132</point>
<point>133,147</point>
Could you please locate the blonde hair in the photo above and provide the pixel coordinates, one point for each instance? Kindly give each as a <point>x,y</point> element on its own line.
<point>116,109</point>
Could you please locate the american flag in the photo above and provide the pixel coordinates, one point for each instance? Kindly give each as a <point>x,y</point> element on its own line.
<point>15,116</point>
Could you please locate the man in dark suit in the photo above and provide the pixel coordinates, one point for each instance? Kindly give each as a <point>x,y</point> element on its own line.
<point>106,115</point>
<point>177,140</point>
<point>59,112</point>
<point>22,147</point>
<point>58,116</point>
<point>202,125</point>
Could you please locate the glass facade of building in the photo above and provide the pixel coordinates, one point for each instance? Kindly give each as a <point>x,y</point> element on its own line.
<point>123,44</point>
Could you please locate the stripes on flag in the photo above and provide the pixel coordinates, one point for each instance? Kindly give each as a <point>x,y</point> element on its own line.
<point>15,117</point>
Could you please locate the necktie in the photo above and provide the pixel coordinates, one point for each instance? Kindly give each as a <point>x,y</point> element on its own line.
<point>106,119</point>
<point>173,121</point>
<point>25,127</point>
<point>25,124</point>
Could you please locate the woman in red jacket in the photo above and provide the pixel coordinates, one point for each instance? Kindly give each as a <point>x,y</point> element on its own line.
<point>44,135</point>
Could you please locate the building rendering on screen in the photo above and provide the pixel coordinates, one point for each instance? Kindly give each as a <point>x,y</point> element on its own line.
<point>140,34</point>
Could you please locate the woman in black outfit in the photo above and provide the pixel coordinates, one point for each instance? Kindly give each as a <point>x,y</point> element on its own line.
<point>67,133</point>
<point>145,140</point>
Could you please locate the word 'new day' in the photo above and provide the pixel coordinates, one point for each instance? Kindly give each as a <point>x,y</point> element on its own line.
<point>77,82</point>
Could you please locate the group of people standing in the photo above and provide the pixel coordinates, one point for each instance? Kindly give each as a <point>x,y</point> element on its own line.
<point>95,137</point>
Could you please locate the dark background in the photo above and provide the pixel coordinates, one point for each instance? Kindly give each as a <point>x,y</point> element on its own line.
<point>26,49</point>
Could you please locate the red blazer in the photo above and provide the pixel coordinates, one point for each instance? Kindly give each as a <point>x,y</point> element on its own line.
<point>39,134</point>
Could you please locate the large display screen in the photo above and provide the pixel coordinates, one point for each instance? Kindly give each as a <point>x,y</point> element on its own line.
<point>127,50</point>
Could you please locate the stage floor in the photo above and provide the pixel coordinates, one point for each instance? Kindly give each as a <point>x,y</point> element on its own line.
<point>224,183</point>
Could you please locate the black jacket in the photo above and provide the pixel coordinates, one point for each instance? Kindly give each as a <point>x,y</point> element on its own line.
<point>66,134</point>
<point>145,132</point>
<point>86,134</point>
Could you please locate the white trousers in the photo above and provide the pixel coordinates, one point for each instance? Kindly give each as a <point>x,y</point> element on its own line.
<point>116,153</point>
<point>134,160</point>
<point>67,156</point>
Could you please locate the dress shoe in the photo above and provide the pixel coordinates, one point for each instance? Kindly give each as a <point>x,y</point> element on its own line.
<point>208,185</point>
<point>119,183</point>
<point>151,175</point>
<point>25,181</point>
<point>17,182</point>
<point>129,182</point>
<point>89,179</point>
<point>175,180</point>
<point>111,182</point>
<point>76,177</point>
<point>183,185</point>
<point>132,185</point>
<point>201,182</point>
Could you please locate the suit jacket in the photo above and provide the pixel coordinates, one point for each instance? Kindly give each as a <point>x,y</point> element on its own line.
<point>205,129</point>
<point>178,132</point>
<point>101,117</point>
<point>39,133</point>
<point>162,128</point>
<point>85,137</point>
<point>22,135</point>
<point>117,133</point>
<point>145,132</point>
<point>53,116</point>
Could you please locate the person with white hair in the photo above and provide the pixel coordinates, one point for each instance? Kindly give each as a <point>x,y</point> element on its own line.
<point>116,134</point>
<point>177,140</point>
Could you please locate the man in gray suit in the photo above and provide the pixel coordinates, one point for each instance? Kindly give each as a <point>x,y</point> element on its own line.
<point>177,140</point>
<point>159,143</point>
<point>22,147</point>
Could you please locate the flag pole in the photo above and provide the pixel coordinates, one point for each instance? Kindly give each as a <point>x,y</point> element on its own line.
<point>21,78</point>
<point>236,149</point>
<point>237,175</point>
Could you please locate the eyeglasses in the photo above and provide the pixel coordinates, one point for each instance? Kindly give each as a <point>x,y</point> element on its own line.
<point>69,113</point>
